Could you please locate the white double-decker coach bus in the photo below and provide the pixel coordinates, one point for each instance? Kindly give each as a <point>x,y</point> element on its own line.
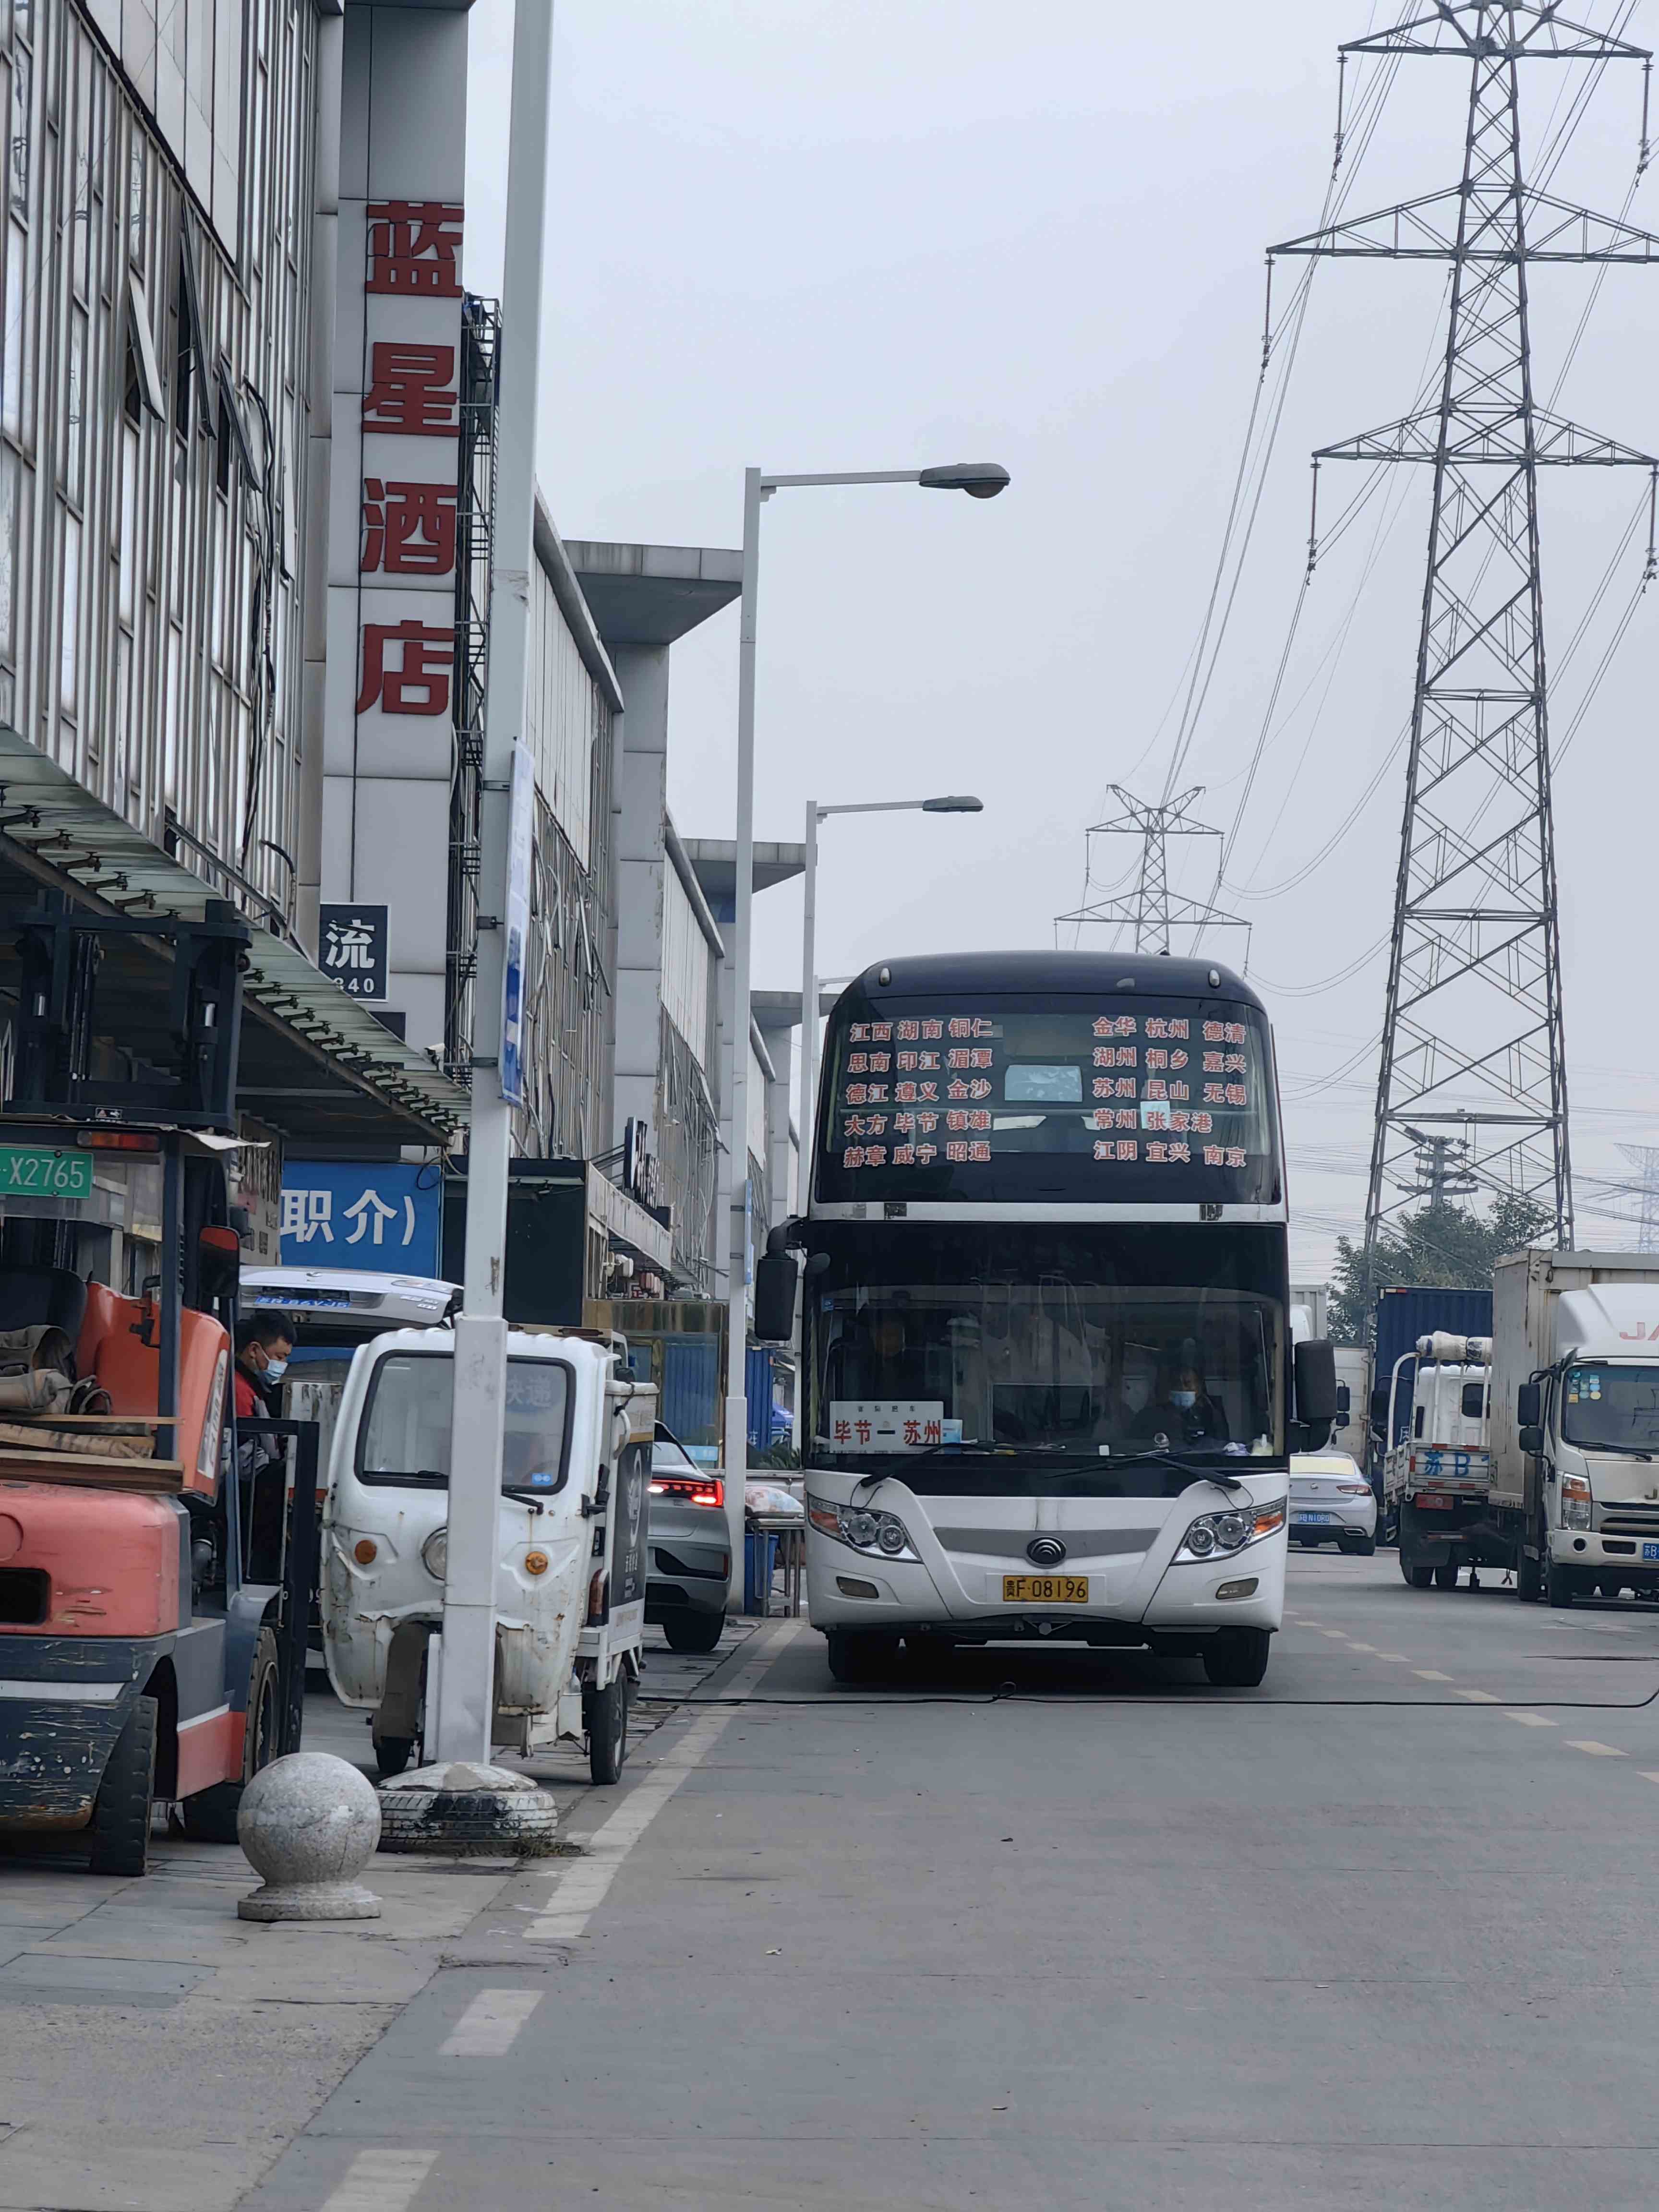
<point>1048,1389</point>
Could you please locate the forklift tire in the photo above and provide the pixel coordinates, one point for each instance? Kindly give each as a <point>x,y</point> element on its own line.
<point>1561,1585</point>
<point>1445,1575</point>
<point>209,1816</point>
<point>692,1632</point>
<point>392,1755</point>
<point>121,1813</point>
<point>607,1729</point>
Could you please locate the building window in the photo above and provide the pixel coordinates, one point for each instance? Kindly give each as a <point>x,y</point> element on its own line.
<point>68,653</point>
<point>22,86</point>
<point>74,423</point>
<point>11,471</point>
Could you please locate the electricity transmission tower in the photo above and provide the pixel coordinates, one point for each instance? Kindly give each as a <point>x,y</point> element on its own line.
<point>1472,1038</point>
<point>1153,911</point>
<point>1644,1159</point>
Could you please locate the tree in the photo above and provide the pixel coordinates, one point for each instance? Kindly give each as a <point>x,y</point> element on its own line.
<point>1442,1245</point>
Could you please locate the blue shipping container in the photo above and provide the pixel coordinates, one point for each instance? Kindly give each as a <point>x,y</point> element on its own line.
<point>1403,1315</point>
<point>691,1394</point>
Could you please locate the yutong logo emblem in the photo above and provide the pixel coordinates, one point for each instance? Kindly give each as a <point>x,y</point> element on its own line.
<point>1045,1551</point>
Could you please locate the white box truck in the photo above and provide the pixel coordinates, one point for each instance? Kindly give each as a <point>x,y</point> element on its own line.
<point>1575,1421</point>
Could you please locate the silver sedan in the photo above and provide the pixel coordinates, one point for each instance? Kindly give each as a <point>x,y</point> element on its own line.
<point>1331,1502</point>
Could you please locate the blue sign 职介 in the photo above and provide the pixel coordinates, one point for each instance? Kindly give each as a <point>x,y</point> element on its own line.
<point>380,1217</point>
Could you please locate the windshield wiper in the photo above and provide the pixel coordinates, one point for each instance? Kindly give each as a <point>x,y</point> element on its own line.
<point>1181,1466</point>
<point>1627,1452</point>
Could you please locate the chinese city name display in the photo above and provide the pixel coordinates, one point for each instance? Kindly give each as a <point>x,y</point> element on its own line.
<point>1165,1089</point>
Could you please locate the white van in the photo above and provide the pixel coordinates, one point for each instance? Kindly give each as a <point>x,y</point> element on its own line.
<point>570,1585</point>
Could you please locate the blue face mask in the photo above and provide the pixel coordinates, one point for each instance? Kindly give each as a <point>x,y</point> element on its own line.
<point>273,1370</point>
<point>1184,1399</point>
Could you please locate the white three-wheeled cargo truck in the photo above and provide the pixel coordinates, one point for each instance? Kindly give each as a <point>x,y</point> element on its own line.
<point>570,1581</point>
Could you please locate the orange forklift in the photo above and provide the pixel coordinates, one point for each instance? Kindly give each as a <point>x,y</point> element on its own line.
<point>155,1563</point>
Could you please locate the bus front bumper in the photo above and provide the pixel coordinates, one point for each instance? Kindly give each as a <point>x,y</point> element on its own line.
<point>1130,1602</point>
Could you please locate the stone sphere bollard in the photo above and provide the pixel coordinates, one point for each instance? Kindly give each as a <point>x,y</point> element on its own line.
<point>310,1823</point>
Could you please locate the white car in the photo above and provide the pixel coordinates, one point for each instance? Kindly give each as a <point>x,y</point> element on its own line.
<point>1331,1502</point>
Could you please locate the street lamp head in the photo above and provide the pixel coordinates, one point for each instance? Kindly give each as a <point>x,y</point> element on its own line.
<point>979,479</point>
<point>953,803</point>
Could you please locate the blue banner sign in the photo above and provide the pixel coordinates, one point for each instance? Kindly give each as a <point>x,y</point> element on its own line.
<point>381,1217</point>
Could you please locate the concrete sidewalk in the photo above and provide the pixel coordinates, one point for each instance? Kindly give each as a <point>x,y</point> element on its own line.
<point>157,2054</point>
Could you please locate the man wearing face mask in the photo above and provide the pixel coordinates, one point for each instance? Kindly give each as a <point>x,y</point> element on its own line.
<point>262,1346</point>
<point>1183,1412</point>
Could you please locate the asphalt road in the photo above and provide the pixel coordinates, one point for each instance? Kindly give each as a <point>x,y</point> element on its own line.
<point>1377,1934</point>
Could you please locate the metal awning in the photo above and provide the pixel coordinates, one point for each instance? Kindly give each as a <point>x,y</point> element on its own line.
<point>313,1062</point>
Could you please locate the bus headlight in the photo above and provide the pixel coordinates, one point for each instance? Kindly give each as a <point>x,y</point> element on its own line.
<point>1214,1535</point>
<point>863,1528</point>
<point>1575,1502</point>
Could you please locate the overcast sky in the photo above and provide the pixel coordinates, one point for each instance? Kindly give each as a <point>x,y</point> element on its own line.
<point>873,234</point>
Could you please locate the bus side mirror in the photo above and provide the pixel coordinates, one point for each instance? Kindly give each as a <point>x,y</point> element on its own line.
<point>776,1280</point>
<point>1315,1391</point>
<point>1529,1409</point>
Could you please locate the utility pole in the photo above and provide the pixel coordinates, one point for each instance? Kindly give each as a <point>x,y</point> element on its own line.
<point>1473,1031</point>
<point>467,1675</point>
<point>1152,912</point>
<point>1442,1171</point>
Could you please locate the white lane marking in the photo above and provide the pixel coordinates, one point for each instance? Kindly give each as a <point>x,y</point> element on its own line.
<point>1595,1750</point>
<point>1398,1658</point>
<point>1648,1777</point>
<point>1365,1647</point>
<point>1532,1720</point>
<point>1339,1634</point>
<point>381,2181</point>
<point>1430,1675</point>
<point>488,2026</point>
<point>1478,1697</point>
<point>583,1888</point>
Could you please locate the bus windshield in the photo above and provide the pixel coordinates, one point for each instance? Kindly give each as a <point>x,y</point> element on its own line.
<point>931,1346</point>
<point>993,1096</point>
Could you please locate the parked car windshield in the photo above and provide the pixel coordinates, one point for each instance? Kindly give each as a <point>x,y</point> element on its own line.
<point>405,1431</point>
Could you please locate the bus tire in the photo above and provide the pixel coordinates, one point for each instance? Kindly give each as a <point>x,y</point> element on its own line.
<point>607,1729</point>
<point>1236,1658</point>
<point>1560,1585</point>
<point>1445,1575</point>
<point>210,1817</point>
<point>860,1655</point>
<point>120,1812</point>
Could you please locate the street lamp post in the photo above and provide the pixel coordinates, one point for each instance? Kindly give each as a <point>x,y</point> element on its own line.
<point>980,480</point>
<point>951,803</point>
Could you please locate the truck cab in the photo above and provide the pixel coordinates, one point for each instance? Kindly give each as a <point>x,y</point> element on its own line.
<point>1438,1478</point>
<point>1589,1423</point>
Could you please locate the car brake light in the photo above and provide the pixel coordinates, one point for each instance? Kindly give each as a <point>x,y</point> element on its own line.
<point>693,1489</point>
